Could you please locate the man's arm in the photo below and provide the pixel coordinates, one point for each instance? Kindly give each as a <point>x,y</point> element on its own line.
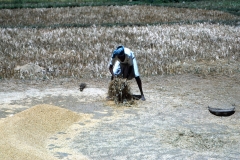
<point>111,70</point>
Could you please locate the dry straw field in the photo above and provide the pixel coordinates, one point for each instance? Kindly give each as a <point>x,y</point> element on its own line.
<point>44,37</point>
<point>72,45</point>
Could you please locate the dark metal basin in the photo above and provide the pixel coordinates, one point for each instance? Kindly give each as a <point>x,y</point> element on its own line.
<point>222,112</point>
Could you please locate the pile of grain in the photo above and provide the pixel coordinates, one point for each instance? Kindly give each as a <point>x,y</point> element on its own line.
<point>24,135</point>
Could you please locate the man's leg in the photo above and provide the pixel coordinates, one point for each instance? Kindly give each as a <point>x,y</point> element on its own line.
<point>139,83</point>
<point>137,77</point>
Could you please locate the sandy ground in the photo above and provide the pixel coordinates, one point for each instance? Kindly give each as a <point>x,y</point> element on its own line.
<point>54,120</point>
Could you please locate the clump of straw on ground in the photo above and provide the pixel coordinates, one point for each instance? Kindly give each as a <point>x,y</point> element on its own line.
<point>119,90</point>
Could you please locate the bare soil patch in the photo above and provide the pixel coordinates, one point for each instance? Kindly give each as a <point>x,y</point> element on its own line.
<point>54,120</point>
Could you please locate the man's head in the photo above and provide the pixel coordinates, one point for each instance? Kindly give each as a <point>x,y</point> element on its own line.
<point>119,52</point>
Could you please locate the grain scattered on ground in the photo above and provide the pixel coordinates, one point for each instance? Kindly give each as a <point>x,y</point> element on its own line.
<point>23,136</point>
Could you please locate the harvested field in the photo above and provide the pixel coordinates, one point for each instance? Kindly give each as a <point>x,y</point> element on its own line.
<point>104,15</point>
<point>185,67</point>
<point>66,51</point>
<point>85,52</point>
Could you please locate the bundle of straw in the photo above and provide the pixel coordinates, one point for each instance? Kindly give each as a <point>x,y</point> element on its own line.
<point>119,90</point>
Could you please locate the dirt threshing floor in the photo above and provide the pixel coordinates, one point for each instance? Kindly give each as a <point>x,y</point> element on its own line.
<point>54,120</point>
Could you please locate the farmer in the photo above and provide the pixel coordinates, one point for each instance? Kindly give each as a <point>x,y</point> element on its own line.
<point>123,64</point>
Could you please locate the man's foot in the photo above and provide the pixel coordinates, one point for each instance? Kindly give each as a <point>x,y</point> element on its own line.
<point>142,98</point>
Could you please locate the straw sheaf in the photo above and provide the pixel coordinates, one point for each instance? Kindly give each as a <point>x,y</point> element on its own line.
<point>119,90</point>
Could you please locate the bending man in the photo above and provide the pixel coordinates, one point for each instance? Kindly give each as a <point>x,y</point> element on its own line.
<point>123,64</point>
